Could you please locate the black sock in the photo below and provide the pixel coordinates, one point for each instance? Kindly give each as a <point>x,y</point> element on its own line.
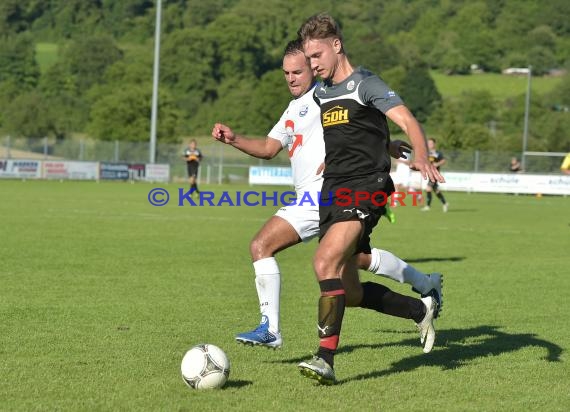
<point>327,355</point>
<point>428,195</point>
<point>440,197</point>
<point>381,299</point>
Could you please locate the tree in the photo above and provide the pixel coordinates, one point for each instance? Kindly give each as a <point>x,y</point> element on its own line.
<point>120,17</point>
<point>233,107</point>
<point>88,58</point>
<point>17,60</point>
<point>76,18</point>
<point>28,115</point>
<point>446,56</point>
<point>419,92</point>
<point>477,42</point>
<point>269,100</point>
<point>200,13</point>
<point>463,122</point>
<point>188,67</point>
<point>238,48</point>
<point>542,60</point>
<point>125,115</point>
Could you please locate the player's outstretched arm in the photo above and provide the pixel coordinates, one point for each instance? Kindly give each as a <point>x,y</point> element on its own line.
<point>408,123</point>
<point>261,148</point>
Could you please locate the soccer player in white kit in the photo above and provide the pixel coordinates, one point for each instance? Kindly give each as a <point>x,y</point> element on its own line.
<point>299,130</point>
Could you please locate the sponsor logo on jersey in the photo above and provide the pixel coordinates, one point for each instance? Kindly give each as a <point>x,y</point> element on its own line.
<point>303,110</point>
<point>334,116</point>
<point>350,85</point>
<point>390,93</point>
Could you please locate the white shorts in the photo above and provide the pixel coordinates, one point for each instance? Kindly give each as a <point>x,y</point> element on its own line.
<point>304,219</point>
<point>402,176</point>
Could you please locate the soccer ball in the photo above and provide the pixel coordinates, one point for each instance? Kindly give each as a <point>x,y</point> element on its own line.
<point>205,366</point>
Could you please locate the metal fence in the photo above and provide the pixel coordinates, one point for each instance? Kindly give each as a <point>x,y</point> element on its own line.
<point>223,164</point>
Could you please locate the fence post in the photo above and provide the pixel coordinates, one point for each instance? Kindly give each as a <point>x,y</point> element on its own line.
<point>476,161</point>
<point>208,174</point>
<point>81,149</point>
<point>8,144</point>
<point>221,165</point>
<point>116,150</point>
<point>45,147</point>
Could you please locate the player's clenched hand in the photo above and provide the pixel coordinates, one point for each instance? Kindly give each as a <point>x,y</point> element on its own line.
<point>398,148</point>
<point>223,133</point>
<point>427,170</point>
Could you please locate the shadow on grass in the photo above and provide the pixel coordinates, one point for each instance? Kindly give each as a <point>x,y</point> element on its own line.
<point>436,259</point>
<point>454,348</point>
<point>235,384</point>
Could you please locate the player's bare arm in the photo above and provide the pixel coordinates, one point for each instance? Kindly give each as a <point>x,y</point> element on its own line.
<point>261,148</point>
<point>408,123</point>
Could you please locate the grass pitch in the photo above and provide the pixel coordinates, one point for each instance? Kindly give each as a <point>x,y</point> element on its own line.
<point>101,294</point>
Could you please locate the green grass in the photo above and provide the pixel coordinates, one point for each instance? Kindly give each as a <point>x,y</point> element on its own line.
<point>101,294</point>
<point>46,55</point>
<point>500,86</point>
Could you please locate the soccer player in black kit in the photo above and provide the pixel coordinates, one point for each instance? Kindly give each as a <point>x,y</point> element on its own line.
<point>437,159</point>
<point>193,158</point>
<point>354,106</point>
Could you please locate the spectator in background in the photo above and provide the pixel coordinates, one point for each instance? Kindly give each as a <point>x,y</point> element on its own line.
<point>515,166</point>
<point>565,166</point>
<point>193,158</point>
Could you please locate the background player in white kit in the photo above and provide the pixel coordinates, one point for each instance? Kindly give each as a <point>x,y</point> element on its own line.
<point>299,130</point>
<point>402,174</point>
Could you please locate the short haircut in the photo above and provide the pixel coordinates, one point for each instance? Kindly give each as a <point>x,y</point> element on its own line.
<point>293,47</point>
<point>432,139</point>
<point>320,26</point>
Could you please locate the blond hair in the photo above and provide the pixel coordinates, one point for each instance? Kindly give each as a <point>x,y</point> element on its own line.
<point>320,26</point>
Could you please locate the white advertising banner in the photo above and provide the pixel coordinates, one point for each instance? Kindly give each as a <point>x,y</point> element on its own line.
<point>263,175</point>
<point>157,172</point>
<point>500,183</point>
<point>70,170</point>
<point>21,169</point>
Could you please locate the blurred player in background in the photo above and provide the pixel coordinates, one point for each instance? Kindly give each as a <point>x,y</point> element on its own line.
<point>565,166</point>
<point>515,166</point>
<point>402,175</point>
<point>437,159</point>
<point>299,131</point>
<point>193,158</point>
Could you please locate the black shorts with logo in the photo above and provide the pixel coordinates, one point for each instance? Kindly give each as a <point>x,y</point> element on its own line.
<point>363,199</point>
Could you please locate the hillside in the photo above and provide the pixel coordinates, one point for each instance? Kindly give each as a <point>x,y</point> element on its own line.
<point>71,66</point>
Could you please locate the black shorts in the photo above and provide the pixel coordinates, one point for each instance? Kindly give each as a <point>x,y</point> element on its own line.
<point>361,199</point>
<point>192,168</point>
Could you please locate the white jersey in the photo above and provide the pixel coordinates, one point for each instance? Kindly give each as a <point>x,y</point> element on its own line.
<point>300,132</point>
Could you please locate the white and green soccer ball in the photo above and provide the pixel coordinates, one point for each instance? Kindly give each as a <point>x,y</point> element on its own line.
<point>205,366</point>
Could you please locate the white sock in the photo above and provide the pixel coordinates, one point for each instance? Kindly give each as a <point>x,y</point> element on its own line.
<point>268,285</point>
<point>386,264</point>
